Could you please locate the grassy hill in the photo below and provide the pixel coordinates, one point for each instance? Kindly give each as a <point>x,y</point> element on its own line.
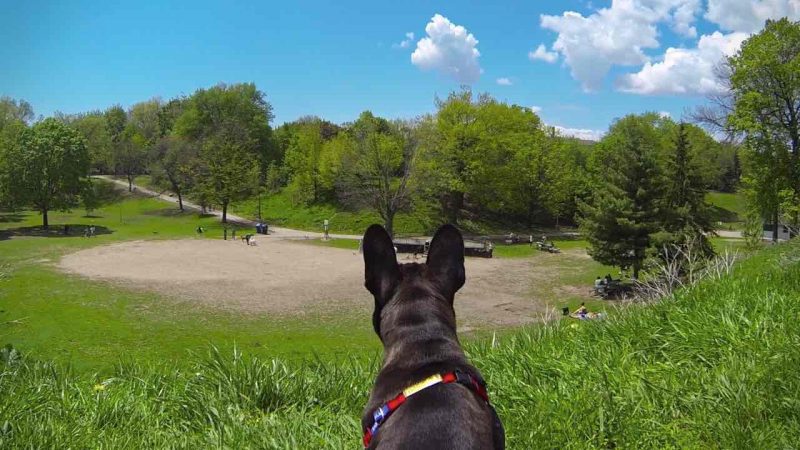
<point>278,209</point>
<point>712,367</point>
<point>728,208</point>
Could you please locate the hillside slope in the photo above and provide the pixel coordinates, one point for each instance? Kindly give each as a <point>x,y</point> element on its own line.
<point>714,367</point>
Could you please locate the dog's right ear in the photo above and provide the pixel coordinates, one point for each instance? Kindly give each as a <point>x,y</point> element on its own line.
<point>381,271</point>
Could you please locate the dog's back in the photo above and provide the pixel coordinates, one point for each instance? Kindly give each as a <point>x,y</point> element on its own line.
<point>414,318</point>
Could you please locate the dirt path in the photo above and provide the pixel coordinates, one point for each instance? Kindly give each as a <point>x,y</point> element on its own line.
<point>286,277</point>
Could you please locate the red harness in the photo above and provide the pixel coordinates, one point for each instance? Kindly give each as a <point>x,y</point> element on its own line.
<point>383,412</point>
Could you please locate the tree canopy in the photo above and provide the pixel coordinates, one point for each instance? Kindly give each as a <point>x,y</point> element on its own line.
<point>49,168</point>
<point>765,92</point>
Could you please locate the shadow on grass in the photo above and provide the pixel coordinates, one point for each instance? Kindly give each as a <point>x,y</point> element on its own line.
<point>171,212</point>
<point>11,217</point>
<point>106,193</point>
<point>57,231</point>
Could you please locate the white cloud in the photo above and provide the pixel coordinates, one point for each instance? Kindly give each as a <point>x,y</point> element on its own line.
<point>542,54</point>
<point>748,16</point>
<point>684,71</point>
<point>536,109</point>
<point>504,81</point>
<point>616,35</point>
<point>448,49</point>
<point>405,43</point>
<point>580,133</point>
<point>665,114</point>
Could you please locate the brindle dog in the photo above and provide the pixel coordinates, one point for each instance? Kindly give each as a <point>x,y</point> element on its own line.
<point>415,320</point>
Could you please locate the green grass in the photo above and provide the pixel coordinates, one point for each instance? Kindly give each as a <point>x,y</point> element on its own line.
<point>712,367</point>
<point>278,209</point>
<point>346,244</point>
<point>94,325</point>
<point>728,208</point>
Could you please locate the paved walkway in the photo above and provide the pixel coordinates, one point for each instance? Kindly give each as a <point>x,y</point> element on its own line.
<point>277,232</point>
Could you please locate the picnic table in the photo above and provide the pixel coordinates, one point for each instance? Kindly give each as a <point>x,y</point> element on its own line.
<point>547,246</point>
<point>612,289</point>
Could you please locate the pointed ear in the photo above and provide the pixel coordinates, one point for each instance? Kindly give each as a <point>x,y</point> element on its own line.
<point>446,258</point>
<point>381,271</point>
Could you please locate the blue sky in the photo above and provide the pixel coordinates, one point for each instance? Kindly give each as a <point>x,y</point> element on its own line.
<point>336,59</point>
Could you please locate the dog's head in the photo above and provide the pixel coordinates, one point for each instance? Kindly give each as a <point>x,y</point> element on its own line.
<point>439,278</point>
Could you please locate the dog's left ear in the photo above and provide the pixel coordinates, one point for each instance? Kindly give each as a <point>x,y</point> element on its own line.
<point>446,259</point>
<point>381,271</point>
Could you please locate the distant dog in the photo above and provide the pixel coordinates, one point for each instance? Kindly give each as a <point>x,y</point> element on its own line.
<point>427,395</point>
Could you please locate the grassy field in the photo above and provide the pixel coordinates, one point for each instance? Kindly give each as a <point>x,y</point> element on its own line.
<point>94,325</point>
<point>711,367</point>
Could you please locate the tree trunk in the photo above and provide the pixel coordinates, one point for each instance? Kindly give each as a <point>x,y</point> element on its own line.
<point>45,225</point>
<point>130,183</point>
<point>180,199</point>
<point>225,212</point>
<point>388,223</point>
<point>775,226</point>
<point>636,267</point>
<point>454,205</point>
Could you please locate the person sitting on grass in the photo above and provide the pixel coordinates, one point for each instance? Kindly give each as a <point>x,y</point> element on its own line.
<point>581,311</point>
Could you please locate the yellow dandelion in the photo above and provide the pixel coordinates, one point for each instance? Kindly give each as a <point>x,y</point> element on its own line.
<point>574,325</point>
<point>99,387</point>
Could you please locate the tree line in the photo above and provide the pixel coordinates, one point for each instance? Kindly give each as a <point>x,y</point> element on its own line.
<point>474,160</point>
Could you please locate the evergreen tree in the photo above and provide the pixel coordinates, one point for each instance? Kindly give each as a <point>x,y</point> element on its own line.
<point>623,212</point>
<point>687,217</point>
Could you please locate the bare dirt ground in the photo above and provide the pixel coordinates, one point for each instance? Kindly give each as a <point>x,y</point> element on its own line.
<point>293,278</point>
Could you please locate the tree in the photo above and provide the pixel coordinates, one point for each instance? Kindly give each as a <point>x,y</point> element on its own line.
<point>116,118</point>
<point>94,128</point>
<point>14,111</point>
<point>765,175</point>
<point>230,127</point>
<point>50,167</point>
<point>687,216</point>
<point>509,171</point>
<point>172,159</point>
<point>129,154</point>
<point>377,170</point>
<point>452,157</point>
<point>14,118</point>
<point>765,91</point>
<point>302,159</point>
<point>565,176</point>
<point>620,217</point>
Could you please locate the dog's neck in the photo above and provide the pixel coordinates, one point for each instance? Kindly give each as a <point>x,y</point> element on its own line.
<point>418,328</point>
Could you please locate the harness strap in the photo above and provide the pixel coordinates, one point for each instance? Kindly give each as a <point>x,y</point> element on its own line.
<point>384,411</point>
